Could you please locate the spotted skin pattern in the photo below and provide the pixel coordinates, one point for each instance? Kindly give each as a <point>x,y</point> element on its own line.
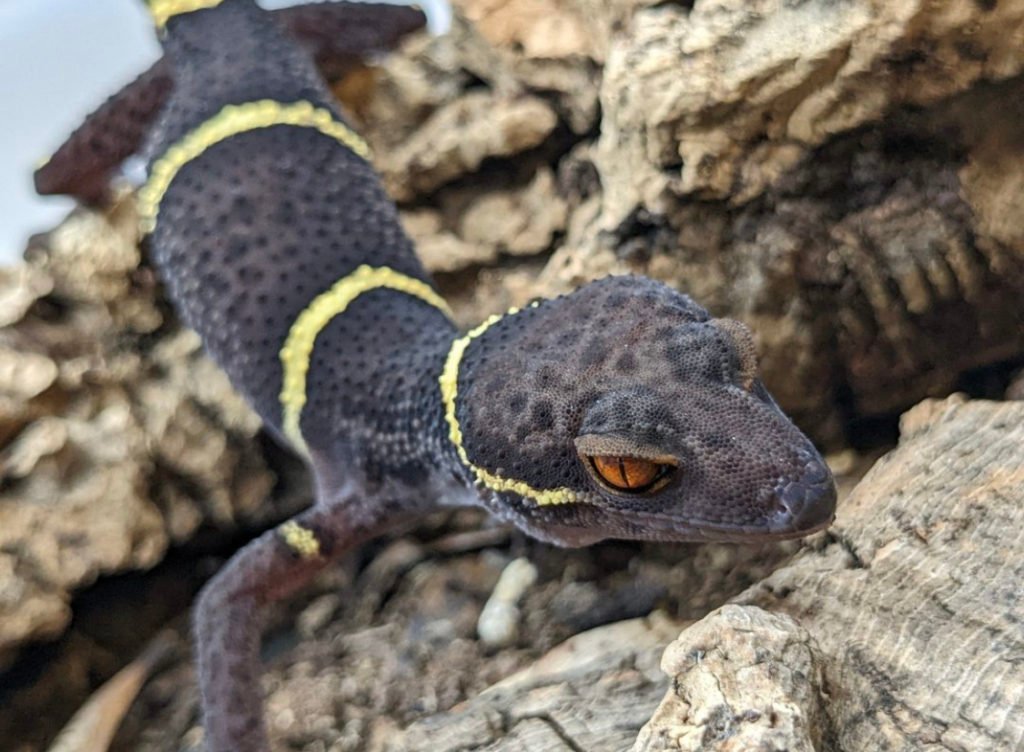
<point>397,412</point>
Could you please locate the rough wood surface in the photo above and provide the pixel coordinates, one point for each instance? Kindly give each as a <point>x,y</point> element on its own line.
<point>592,692</point>
<point>118,437</point>
<point>742,679</point>
<point>917,600</point>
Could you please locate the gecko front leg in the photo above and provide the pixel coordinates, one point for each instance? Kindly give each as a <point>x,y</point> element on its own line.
<point>229,614</point>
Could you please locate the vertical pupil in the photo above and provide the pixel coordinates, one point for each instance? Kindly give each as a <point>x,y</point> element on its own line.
<point>638,472</point>
<point>625,472</point>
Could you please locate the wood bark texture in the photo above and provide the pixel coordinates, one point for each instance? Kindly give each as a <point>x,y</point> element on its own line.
<point>915,597</point>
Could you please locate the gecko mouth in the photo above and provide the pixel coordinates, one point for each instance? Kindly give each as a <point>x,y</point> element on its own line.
<point>672,530</point>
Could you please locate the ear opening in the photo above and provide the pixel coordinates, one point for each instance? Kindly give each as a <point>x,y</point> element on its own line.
<point>746,348</point>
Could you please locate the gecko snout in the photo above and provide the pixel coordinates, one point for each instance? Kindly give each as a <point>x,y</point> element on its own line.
<point>807,503</point>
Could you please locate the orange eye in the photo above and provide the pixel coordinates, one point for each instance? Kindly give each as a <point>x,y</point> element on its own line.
<point>629,473</point>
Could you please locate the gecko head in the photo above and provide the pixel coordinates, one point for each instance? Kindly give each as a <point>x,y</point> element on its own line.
<point>624,410</point>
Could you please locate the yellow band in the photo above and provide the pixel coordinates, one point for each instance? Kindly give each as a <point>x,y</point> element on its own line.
<point>298,347</point>
<point>230,121</point>
<point>163,10</point>
<point>449,382</point>
<point>299,539</point>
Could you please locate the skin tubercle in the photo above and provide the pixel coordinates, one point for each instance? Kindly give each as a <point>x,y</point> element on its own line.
<point>449,394</point>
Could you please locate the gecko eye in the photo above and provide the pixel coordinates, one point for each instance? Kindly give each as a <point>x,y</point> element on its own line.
<point>630,474</point>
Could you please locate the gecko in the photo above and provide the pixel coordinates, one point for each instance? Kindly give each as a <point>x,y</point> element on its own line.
<point>620,410</point>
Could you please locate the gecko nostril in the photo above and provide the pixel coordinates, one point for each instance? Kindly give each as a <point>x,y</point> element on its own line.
<point>808,502</point>
<point>816,473</point>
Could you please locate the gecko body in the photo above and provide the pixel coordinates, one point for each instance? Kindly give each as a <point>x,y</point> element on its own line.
<point>621,410</point>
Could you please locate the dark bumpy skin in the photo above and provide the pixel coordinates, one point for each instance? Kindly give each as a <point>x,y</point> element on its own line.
<point>338,35</point>
<point>84,164</point>
<point>402,413</point>
<point>242,264</point>
<point>630,364</point>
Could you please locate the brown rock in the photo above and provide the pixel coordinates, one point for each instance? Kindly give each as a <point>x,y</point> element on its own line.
<point>21,286</point>
<point>720,100</point>
<point>440,249</point>
<point>587,693</point>
<point>517,221</point>
<point>742,679</point>
<point>24,376</point>
<point>431,71</point>
<point>457,138</point>
<point>532,28</point>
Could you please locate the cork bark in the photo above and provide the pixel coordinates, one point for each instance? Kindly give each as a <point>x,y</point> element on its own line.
<point>916,599</point>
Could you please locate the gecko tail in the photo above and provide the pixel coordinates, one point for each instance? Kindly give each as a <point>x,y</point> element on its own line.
<point>338,35</point>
